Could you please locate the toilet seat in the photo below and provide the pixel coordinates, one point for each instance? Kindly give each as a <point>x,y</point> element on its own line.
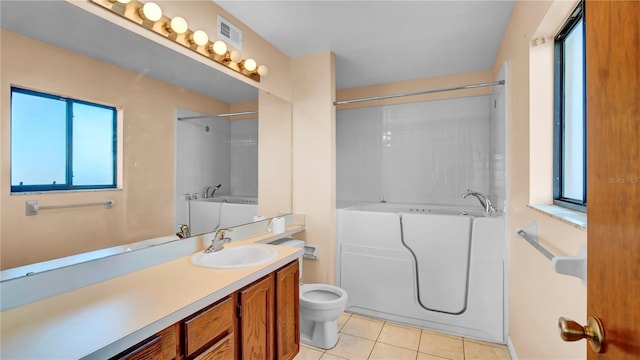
<point>322,296</point>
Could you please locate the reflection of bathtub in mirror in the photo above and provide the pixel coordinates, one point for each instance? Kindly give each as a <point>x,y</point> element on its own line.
<point>205,215</point>
<point>43,266</point>
<point>233,199</point>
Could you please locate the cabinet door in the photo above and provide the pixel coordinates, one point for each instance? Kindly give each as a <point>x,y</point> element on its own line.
<point>256,320</point>
<point>287,312</point>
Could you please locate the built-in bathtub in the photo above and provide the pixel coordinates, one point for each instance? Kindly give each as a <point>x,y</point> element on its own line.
<point>436,267</point>
<point>205,215</point>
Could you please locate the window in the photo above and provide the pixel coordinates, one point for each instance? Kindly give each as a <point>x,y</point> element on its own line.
<point>59,143</point>
<point>569,173</point>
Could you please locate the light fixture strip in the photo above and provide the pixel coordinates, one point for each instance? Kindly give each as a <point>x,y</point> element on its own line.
<point>133,11</point>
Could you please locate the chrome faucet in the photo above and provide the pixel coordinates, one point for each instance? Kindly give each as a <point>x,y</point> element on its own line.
<point>213,190</point>
<point>483,199</point>
<point>218,241</point>
<point>183,231</point>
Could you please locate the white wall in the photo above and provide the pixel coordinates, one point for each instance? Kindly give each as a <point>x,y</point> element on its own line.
<point>423,152</point>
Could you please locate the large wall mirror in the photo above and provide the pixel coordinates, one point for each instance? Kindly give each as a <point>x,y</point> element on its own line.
<point>58,48</point>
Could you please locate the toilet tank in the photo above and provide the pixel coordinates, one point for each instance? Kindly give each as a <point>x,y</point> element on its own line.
<point>291,243</point>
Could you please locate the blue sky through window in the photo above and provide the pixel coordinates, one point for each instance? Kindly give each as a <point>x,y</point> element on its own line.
<point>45,157</point>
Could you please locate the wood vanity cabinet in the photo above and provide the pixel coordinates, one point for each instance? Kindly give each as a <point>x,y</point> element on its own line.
<point>258,322</point>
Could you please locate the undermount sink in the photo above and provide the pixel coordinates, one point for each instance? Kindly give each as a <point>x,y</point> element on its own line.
<point>235,257</point>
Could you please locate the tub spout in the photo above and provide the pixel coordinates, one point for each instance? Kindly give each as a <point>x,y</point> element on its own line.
<point>482,199</point>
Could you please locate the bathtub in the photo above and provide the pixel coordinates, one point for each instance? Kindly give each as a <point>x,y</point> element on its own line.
<point>206,214</point>
<point>435,267</point>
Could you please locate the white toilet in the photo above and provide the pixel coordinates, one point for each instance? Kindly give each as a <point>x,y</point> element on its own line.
<point>320,307</point>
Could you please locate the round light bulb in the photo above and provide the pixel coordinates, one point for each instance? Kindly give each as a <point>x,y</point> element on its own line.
<point>151,11</point>
<point>200,37</point>
<point>263,70</point>
<point>250,64</point>
<point>178,25</point>
<point>219,47</point>
<point>235,56</point>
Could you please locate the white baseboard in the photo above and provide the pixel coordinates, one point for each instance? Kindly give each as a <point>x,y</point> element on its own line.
<point>512,349</point>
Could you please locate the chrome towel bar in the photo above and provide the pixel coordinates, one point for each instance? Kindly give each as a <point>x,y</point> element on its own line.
<point>568,265</point>
<point>32,206</point>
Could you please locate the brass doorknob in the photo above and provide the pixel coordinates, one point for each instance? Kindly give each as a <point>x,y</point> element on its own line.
<point>593,332</point>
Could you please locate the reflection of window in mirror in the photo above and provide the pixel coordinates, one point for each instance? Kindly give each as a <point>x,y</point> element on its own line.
<point>60,143</point>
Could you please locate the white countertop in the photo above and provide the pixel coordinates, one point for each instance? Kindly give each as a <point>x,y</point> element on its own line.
<point>102,319</point>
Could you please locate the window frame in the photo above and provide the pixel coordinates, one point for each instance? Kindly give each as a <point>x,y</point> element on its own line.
<point>68,185</point>
<point>558,115</point>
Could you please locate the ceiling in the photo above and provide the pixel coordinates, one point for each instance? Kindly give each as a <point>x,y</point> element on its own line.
<point>374,41</point>
<point>377,42</point>
<point>67,26</point>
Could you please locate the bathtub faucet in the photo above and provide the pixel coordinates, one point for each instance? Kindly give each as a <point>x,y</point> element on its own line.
<point>483,199</point>
<point>210,189</point>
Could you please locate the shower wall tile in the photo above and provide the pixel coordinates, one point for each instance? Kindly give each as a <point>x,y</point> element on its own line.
<point>358,154</point>
<point>428,152</point>
<point>498,181</point>
<point>243,147</point>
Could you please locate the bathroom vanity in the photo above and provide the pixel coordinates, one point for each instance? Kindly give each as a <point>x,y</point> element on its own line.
<point>259,321</point>
<point>173,309</point>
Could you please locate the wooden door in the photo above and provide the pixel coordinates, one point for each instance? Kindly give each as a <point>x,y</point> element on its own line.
<point>256,320</point>
<point>613,177</point>
<point>288,311</point>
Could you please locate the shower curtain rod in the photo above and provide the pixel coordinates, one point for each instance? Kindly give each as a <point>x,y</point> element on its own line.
<point>384,97</point>
<point>217,115</point>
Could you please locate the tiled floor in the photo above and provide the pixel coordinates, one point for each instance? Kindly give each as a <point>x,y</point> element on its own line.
<point>366,338</point>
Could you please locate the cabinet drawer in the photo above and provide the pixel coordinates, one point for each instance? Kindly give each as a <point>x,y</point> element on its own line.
<point>209,326</point>
<point>149,350</point>
<point>161,346</point>
<point>222,350</point>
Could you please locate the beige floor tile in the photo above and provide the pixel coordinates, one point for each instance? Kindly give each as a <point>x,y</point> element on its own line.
<point>363,327</point>
<point>402,336</point>
<point>387,352</point>
<point>343,320</point>
<point>474,350</point>
<point>352,347</point>
<point>306,353</point>
<point>423,356</point>
<point>331,357</point>
<point>311,347</point>
<point>446,346</point>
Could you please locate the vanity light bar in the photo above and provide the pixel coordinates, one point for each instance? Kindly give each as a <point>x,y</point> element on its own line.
<point>150,16</point>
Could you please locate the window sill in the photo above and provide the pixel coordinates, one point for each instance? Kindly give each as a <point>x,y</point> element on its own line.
<point>575,218</point>
<point>62,191</point>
